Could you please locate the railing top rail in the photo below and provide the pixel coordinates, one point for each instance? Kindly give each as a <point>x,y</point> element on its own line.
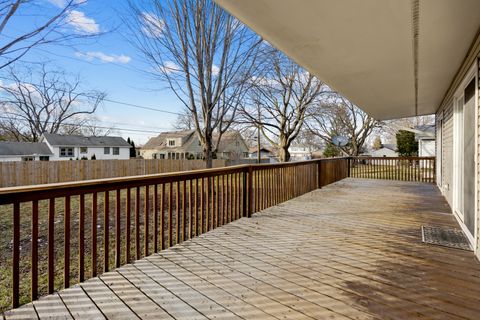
<point>44,191</point>
<point>394,158</point>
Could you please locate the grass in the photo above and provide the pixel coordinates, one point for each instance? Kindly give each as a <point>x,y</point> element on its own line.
<point>6,236</point>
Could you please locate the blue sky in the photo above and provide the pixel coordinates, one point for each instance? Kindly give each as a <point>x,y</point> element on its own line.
<point>109,63</point>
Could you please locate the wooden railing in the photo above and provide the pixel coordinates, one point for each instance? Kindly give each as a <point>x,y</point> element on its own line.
<point>58,234</point>
<point>420,169</point>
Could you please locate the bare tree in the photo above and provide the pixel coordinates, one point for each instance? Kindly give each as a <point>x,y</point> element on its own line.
<point>204,55</point>
<point>46,28</point>
<point>87,126</point>
<point>49,102</point>
<point>339,117</point>
<point>184,121</point>
<point>281,99</point>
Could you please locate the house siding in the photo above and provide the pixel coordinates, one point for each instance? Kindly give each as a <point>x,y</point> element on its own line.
<point>477,240</point>
<point>446,161</point>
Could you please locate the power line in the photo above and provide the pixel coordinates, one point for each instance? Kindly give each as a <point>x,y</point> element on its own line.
<point>88,126</point>
<point>133,105</point>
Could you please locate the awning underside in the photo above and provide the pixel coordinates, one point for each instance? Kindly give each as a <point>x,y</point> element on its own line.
<point>367,50</point>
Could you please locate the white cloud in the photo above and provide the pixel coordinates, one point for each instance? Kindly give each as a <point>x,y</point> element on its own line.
<point>170,67</point>
<point>152,25</point>
<point>215,70</point>
<point>81,23</point>
<point>106,58</point>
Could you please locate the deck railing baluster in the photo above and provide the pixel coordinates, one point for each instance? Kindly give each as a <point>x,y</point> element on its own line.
<point>214,197</point>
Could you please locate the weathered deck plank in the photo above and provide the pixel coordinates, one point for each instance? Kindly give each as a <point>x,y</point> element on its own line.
<point>351,250</point>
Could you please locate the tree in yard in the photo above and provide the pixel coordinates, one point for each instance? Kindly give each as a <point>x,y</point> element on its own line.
<point>377,143</point>
<point>331,151</point>
<point>184,121</point>
<point>133,150</point>
<point>282,96</point>
<point>204,55</point>
<point>337,116</point>
<point>48,27</point>
<point>406,144</point>
<point>50,102</point>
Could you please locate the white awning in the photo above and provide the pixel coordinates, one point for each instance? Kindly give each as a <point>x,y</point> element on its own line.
<point>367,49</point>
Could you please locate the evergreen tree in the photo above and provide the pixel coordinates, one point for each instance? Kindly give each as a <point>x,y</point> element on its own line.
<point>406,144</point>
<point>331,151</point>
<point>133,152</point>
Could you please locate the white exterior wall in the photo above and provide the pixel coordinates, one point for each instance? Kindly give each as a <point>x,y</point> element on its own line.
<point>97,151</point>
<point>426,148</point>
<point>384,152</point>
<point>10,158</point>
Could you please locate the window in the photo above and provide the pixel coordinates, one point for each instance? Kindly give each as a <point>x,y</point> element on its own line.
<point>83,149</point>
<point>44,158</point>
<point>66,152</point>
<point>106,150</point>
<point>171,143</point>
<point>27,159</point>
<point>116,151</point>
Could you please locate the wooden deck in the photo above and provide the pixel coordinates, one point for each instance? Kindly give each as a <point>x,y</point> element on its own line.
<point>351,250</point>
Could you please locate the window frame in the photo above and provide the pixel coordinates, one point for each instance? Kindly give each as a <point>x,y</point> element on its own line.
<point>66,153</point>
<point>106,150</point>
<point>116,151</point>
<point>83,150</point>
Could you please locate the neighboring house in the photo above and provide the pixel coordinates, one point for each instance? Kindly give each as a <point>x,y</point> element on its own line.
<point>66,147</point>
<point>232,146</point>
<point>387,150</point>
<point>395,73</point>
<point>300,152</point>
<point>24,151</point>
<point>425,135</point>
<point>186,145</point>
<point>264,153</point>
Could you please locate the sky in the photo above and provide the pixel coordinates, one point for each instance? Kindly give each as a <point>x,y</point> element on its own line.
<point>108,62</point>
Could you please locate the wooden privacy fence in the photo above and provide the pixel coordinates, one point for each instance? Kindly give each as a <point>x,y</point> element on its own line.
<point>63,233</point>
<point>420,169</point>
<point>24,173</point>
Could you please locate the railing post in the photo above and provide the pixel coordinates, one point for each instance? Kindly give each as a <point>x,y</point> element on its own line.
<point>250,191</point>
<point>245,193</point>
<point>319,175</point>
<point>348,166</point>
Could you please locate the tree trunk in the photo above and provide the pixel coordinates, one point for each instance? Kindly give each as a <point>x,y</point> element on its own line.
<point>208,154</point>
<point>284,154</point>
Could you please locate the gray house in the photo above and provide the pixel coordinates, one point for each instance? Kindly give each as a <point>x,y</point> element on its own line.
<point>24,151</point>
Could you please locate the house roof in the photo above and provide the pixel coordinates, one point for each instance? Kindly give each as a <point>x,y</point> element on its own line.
<point>160,142</point>
<point>188,136</point>
<point>8,148</point>
<point>71,140</point>
<point>390,146</point>
<point>392,58</point>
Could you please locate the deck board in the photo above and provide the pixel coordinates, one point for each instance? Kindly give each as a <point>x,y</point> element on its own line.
<point>351,250</point>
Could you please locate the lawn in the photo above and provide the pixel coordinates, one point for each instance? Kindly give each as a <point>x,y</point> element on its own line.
<point>6,227</point>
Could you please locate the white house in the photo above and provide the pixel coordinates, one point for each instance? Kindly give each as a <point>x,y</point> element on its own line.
<point>66,147</point>
<point>387,150</point>
<point>24,151</point>
<point>300,153</point>
<point>425,135</point>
